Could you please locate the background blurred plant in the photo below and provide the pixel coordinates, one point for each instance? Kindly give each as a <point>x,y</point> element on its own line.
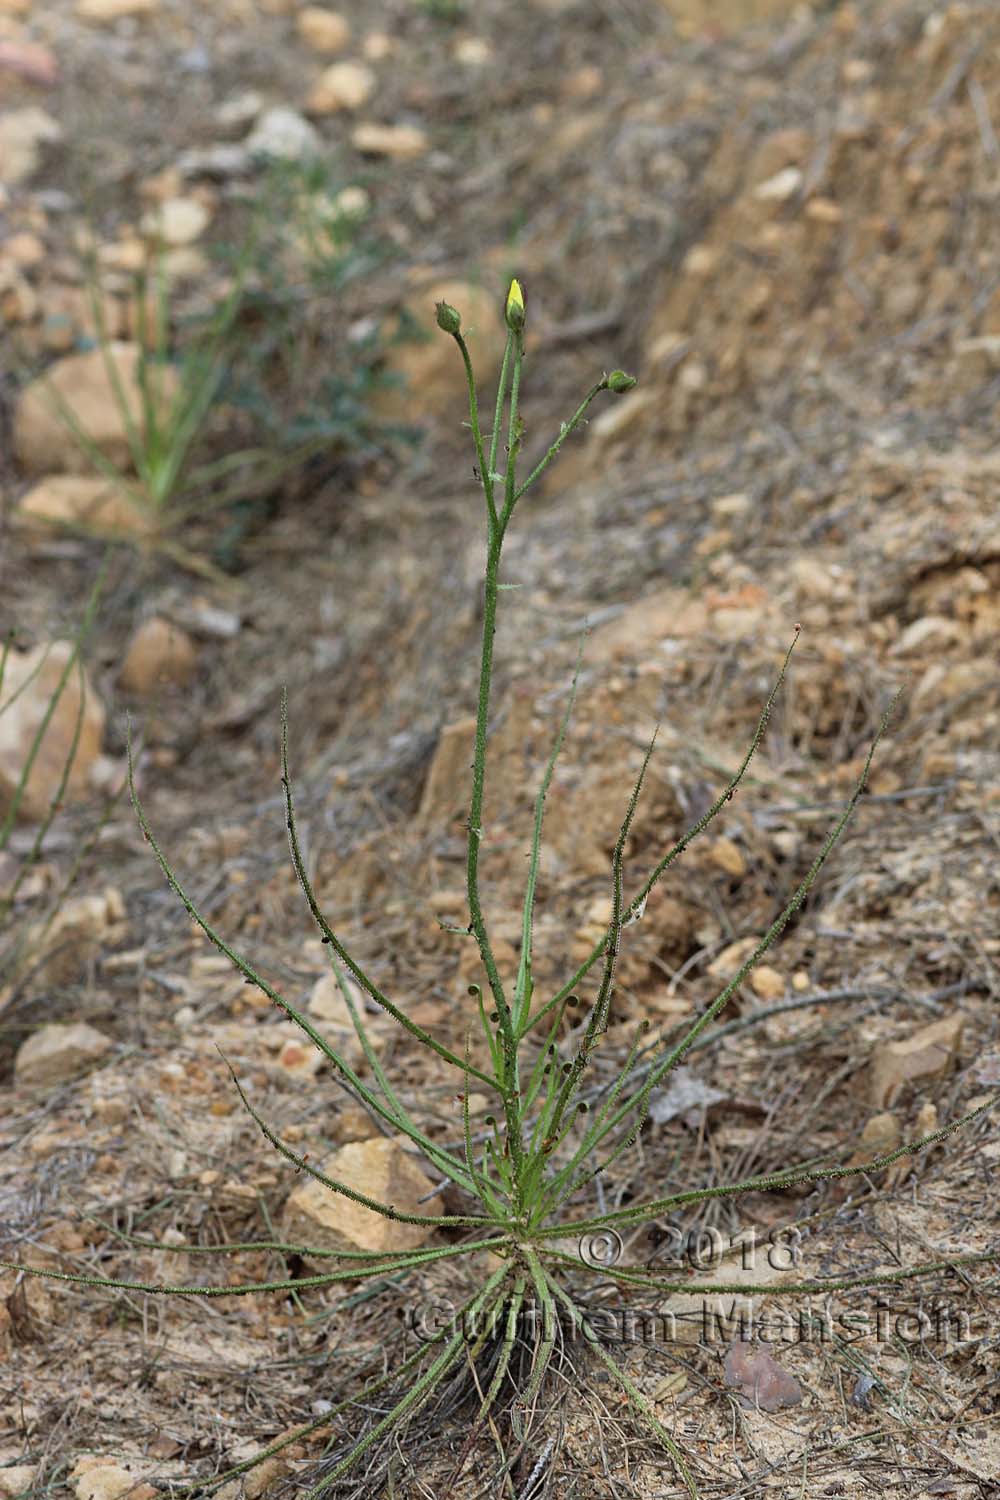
<point>295,370</point>
<point>228,389</point>
<point>449,11</point>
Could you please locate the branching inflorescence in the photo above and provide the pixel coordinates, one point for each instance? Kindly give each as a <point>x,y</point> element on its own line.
<point>550,1134</point>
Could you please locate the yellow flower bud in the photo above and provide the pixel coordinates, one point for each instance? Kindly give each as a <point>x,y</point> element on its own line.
<point>514,311</point>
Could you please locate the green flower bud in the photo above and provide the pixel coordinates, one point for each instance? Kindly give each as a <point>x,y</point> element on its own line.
<point>514,310</point>
<point>448,317</point>
<point>619,382</point>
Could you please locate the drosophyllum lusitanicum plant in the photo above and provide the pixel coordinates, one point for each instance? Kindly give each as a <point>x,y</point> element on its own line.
<point>526,1182</point>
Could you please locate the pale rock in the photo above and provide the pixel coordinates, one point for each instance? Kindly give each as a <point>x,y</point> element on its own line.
<point>176,221</point>
<point>668,614</point>
<point>23,135</point>
<point>600,910</point>
<point>298,1058</point>
<point>731,958</point>
<point>988,1068</point>
<point>692,1314</point>
<point>218,161</point>
<point>34,677</point>
<point>731,507</point>
<point>44,440</point>
<point>58,953</point>
<point>669,1388</point>
<point>112,1109</point>
<point>692,376</point>
<point>378,45</point>
<point>735,624</point>
<point>343,85</point>
<point>880,1137</point>
<point>858,70</point>
<point>24,248</point>
<point>324,31</point>
<point>127,254</point>
<point>728,857</point>
<point>934,630</point>
<point>328,1011</point>
<point>17,1481</point>
<point>942,681</point>
<point>159,655</point>
<point>768,983</point>
<point>823,211</point>
<point>472,51</point>
<point>571,133</point>
<point>668,349</point>
<point>185,263</point>
<point>76,502</point>
<point>621,418</point>
<point>701,261</point>
<point>58,1052</point>
<point>400,142</point>
<point>779,188</point>
<point>96,1477</point>
<point>450,902</point>
<point>18,299</point>
<point>237,113</point>
<point>813,579</point>
<point>926,1123</point>
<point>281,134</point>
<point>929,1053</point>
<point>350,1122</point>
<point>114,10</point>
<point>382,1170</point>
<point>450,775</point>
<point>257,1481</point>
<point>159,186</point>
<point>211,620</point>
<point>31,1300</point>
<point>686,1096</point>
<point>15,7</point>
<point>903,299</point>
<point>584,83</point>
<point>352,202</point>
<point>432,378</point>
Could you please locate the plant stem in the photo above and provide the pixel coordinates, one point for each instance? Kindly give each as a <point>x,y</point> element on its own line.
<point>564,432</point>
<point>486,478</point>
